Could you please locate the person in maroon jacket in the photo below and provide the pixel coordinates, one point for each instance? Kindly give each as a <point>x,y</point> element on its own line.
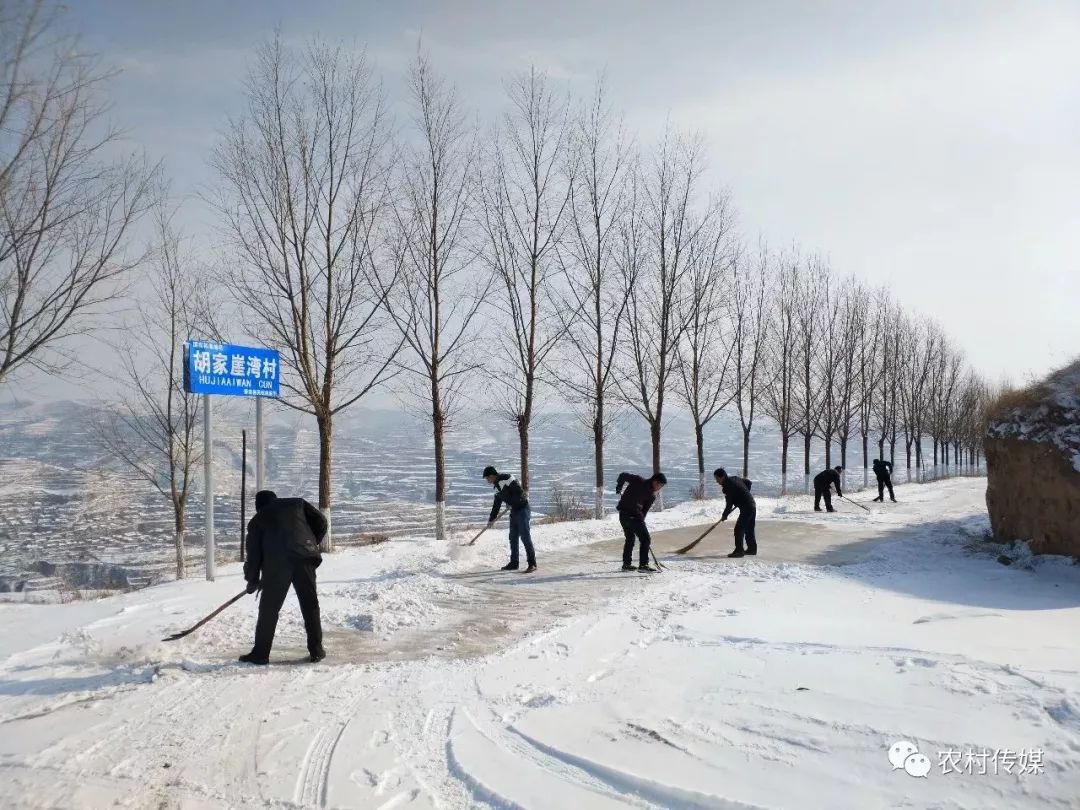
<point>633,506</point>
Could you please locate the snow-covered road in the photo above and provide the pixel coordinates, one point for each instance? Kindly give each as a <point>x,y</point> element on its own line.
<point>780,681</point>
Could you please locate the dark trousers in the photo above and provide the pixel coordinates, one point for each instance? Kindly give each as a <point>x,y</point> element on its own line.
<point>745,528</point>
<point>881,484</point>
<point>634,529</point>
<point>301,575</point>
<point>823,493</point>
<point>520,530</point>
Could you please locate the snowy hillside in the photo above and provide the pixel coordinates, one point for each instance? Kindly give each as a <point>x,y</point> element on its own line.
<point>780,682</point>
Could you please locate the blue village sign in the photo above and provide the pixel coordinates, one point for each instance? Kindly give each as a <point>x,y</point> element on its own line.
<point>238,371</point>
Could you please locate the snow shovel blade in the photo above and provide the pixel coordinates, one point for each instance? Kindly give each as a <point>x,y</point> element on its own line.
<point>204,620</point>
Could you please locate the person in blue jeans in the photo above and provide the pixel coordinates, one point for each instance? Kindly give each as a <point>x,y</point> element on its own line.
<point>509,491</point>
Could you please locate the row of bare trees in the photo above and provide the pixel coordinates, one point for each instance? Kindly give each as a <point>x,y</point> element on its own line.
<point>551,255</point>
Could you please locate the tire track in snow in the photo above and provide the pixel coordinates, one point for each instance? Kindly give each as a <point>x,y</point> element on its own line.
<point>313,781</point>
<point>520,748</point>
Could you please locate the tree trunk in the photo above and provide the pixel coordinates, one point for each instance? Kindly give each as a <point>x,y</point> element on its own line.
<point>438,425</point>
<point>598,457</point>
<point>699,436</point>
<point>865,461</point>
<point>828,452</point>
<point>178,539</point>
<point>785,441</point>
<point>325,436</point>
<point>523,448</point>
<point>654,432</point>
<point>806,460</point>
<point>746,452</point>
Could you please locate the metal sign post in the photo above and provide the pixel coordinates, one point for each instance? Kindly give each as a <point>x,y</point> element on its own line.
<point>208,472</point>
<point>243,491</point>
<point>260,448</point>
<point>227,370</point>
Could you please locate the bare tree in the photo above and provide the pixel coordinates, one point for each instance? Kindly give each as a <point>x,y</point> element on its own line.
<point>303,191</point>
<point>852,327</point>
<point>782,358</point>
<point>67,204</point>
<point>750,333</point>
<point>670,229</point>
<point>600,192</point>
<point>438,296</point>
<point>808,383</point>
<point>154,430</point>
<point>919,345</point>
<point>894,326</point>
<point>526,198</point>
<point>705,351</point>
<point>869,373</point>
<point>827,360</point>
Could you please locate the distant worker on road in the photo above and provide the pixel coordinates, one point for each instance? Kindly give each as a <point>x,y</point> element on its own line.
<point>883,471</point>
<point>283,540</point>
<point>638,495</point>
<point>824,481</point>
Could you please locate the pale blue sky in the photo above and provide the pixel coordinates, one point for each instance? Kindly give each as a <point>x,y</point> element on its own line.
<point>934,146</point>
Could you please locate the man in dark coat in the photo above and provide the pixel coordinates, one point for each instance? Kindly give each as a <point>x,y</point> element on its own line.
<point>509,491</point>
<point>737,493</point>
<point>638,495</point>
<point>883,471</point>
<point>824,481</point>
<point>283,549</point>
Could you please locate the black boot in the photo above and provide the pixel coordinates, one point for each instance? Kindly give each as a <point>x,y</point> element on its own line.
<point>646,567</point>
<point>751,551</point>
<point>510,566</point>
<point>628,567</point>
<point>317,655</point>
<point>737,553</point>
<point>250,658</point>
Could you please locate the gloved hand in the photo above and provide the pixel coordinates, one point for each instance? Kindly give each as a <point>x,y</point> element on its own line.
<point>254,586</point>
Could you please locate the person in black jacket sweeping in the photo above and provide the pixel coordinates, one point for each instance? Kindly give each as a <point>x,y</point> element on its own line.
<point>638,495</point>
<point>824,481</point>
<point>283,549</point>
<point>738,496</point>
<point>509,491</point>
<point>883,471</point>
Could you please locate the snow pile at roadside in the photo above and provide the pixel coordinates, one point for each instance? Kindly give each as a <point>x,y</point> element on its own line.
<point>1052,415</point>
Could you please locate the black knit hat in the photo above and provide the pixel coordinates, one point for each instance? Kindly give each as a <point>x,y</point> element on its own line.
<point>838,468</point>
<point>659,478</point>
<point>490,471</point>
<point>264,497</point>
<point>719,472</point>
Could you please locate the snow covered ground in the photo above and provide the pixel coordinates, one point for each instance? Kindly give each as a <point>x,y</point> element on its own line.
<point>780,681</point>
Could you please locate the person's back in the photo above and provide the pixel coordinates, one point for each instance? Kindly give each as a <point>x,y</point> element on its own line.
<point>737,493</point>
<point>285,529</point>
<point>826,478</point>
<point>882,468</point>
<point>282,550</point>
<point>637,495</point>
